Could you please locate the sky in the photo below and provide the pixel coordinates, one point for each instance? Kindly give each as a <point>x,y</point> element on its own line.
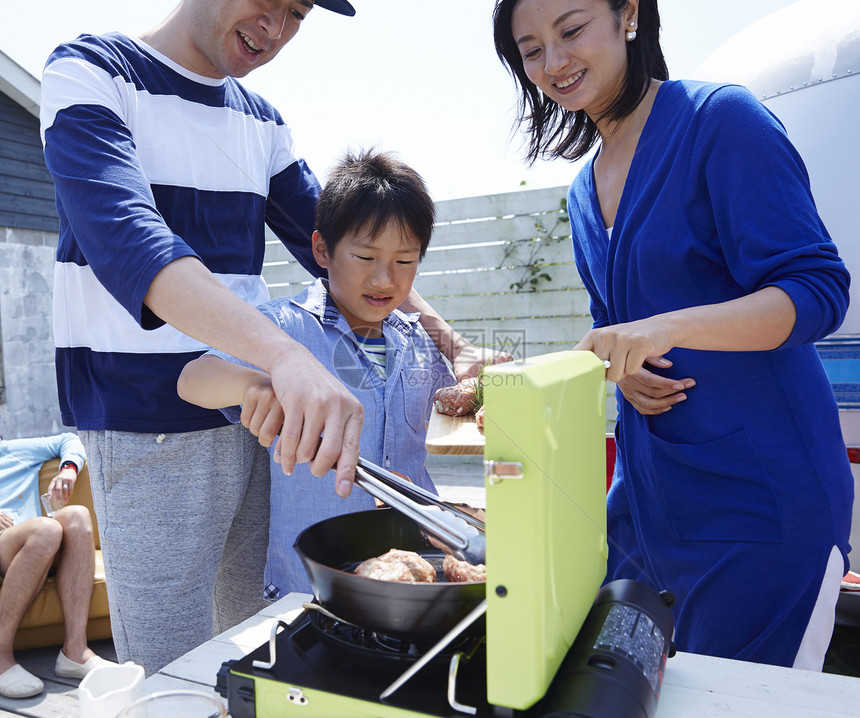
<point>416,77</point>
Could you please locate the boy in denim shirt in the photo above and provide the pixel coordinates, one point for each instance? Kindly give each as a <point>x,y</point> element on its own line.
<point>373,224</point>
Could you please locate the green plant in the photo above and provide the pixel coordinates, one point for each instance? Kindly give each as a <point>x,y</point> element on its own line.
<point>478,400</point>
<point>534,266</point>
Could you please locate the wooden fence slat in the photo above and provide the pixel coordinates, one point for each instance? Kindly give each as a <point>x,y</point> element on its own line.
<point>505,228</point>
<point>500,205</point>
<point>520,305</point>
<point>290,278</point>
<point>452,237</point>
<point>509,254</point>
<point>516,332</point>
<point>489,252</point>
<point>470,273</point>
<point>491,281</point>
<point>277,252</point>
<point>288,289</point>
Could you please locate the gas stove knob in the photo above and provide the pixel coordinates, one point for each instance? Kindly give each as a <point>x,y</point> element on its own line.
<point>296,697</point>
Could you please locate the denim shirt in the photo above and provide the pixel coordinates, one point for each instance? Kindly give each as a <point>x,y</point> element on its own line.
<point>396,408</point>
<point>20,462</point>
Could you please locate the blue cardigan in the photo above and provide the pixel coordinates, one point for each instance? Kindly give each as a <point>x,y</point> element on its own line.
<point>734,499</point>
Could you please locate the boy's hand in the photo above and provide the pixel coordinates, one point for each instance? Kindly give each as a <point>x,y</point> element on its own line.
<point>6,521</point>
<point>262,413</point>
<point>471,358</point>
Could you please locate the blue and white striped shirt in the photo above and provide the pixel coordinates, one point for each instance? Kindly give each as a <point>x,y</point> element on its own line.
<point>151,163</point>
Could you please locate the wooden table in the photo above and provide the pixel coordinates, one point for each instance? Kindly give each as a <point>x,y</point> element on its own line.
<point>453,435</point>
<point>693,687</point>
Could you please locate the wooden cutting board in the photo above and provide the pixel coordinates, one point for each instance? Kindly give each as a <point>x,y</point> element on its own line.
<point>453,435</point>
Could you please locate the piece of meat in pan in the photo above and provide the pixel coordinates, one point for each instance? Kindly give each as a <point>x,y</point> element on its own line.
<point>397,565</point>
<point>479,418</point>
<point>457,400</point>
<point>457,571</point>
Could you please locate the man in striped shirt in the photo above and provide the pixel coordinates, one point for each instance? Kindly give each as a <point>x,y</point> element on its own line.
<point>166,170</point>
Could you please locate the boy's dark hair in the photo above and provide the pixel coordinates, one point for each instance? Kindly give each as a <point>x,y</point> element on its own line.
<point>555,132</point>
<point>366,191</point>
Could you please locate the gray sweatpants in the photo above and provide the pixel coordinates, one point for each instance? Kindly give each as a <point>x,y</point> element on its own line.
<point>183,524</point>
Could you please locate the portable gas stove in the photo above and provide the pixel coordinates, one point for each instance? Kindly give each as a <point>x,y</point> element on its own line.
<point>548,642</point>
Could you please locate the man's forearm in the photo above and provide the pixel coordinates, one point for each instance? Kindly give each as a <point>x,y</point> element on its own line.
<point>447,341</point>
<point>190,298</point>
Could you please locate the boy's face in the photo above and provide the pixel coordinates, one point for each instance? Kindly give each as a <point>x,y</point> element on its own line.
<point>233,37</point>
<point>369,278</point>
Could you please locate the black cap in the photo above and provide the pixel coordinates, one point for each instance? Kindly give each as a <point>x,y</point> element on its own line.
<point>341,7</point>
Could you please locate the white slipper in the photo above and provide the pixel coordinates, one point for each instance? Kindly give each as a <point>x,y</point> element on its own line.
<point>16,682</point>
<point>67,668</point>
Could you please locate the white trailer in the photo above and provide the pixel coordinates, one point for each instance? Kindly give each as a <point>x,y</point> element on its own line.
<point>803,62</point>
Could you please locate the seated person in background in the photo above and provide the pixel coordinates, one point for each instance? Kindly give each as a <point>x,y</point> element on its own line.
<point>373,224</point>
<point>31,544</point>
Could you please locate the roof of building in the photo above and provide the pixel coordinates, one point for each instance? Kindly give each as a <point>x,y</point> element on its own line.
<point>18,84</point>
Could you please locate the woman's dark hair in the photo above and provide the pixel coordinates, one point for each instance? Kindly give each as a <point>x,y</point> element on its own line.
<point>367,191</point>
<point>553,131</point>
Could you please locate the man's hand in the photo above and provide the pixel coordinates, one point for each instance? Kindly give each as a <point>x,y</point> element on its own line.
<point>63,484</point>
<point>470,358</point>
<point>5,521</point>
<point>316,404</point>
<point>186,295</point>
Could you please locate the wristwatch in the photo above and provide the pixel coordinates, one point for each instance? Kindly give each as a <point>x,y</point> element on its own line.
<point>69,465</point>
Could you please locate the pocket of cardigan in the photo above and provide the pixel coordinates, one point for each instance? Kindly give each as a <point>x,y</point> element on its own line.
<point>718,490</point>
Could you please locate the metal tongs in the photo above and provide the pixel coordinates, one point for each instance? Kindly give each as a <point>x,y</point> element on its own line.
<point>460,533</point>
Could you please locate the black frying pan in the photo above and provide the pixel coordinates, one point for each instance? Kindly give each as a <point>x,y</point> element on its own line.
<point>331,548</point>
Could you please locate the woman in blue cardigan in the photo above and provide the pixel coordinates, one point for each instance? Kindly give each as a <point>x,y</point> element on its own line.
<point>710,275</point>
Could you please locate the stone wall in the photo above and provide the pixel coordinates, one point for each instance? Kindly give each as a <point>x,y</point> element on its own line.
<point>28,385</point>
<point>31,237</point>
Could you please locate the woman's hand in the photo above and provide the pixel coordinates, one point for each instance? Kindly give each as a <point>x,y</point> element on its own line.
<point>651,393</point>
<point>761,321</point>
<point>625,348</point>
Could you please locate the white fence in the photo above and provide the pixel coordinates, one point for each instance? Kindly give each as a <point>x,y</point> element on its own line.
<point>499,270</point>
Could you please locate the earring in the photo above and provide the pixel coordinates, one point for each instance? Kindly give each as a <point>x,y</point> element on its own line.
<point>631,35</point>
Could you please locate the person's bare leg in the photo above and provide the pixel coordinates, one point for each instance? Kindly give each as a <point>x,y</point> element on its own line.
<point>26,553</point>
<point>75,569</point>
